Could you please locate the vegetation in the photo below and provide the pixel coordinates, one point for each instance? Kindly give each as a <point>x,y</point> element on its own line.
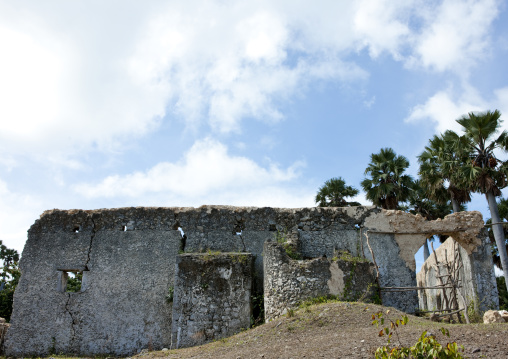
<point>74,282</point>
<point>386,184</point>
<point>281,237</point>
<point>426,347</point>
<point>440,164</point>
<point>334,193</point>
<point>485,173</point>
<point>9,279</point>
<point>503,293</point>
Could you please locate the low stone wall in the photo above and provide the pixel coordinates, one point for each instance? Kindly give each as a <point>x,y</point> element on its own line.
<point>212,297</point>
<point>289,282</point>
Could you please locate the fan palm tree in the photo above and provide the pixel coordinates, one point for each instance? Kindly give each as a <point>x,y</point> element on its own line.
<point>440,164</point>
<point>334,193</point>
<point>386,184</point>
<point>502,206</point>
<point>485,173</point>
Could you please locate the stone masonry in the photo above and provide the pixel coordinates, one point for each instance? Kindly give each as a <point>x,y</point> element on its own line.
<point>212,297</point>
<point>289,282</point>
<point>128,258</point>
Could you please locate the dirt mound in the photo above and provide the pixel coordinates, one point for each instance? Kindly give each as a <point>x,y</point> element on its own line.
<point>341,330</point>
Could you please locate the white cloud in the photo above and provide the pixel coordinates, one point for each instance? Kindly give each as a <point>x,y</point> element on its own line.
<point>383,25</point>
<point>444,107</point>
<point>72,83</point>
<point>456,34</point>
<point>206,173</point>
<point>17,213</point>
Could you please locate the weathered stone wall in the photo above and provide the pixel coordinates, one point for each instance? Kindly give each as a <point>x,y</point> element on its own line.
<point>212,297</point>
<point>289,282</point>
<point>121,307</point>
<point>128,258</point>
<point>476,276</point>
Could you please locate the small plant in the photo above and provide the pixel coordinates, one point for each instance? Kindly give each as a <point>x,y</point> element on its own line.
<point>291,252</point>
<point>290,313</point>
<point>426,347</point>
<point>348,257</point>
<point>258,310</point>
<point>52,350</point>
<point>209,255</point>
<point>318,300</point>
<point>281,237</point>
<point>169,296</point>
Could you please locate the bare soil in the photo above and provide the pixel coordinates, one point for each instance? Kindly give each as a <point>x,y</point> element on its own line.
<point>342,330</point>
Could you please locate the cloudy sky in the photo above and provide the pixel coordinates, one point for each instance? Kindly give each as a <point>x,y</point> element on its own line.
<point>185,103</point>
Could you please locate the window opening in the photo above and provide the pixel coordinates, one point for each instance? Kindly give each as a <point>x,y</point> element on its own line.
<point>76,228</point>
<point>70,281</point>
<point>74,281</point>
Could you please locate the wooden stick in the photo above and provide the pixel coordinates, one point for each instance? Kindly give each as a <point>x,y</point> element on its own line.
<point>418,288</point>
<point>445,314</point>
<point>439,278</point>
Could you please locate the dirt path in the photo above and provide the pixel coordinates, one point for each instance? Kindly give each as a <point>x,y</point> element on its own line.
<point>341,330</point>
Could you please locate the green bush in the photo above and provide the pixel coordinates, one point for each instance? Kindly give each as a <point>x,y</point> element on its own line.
<point>427,346</point>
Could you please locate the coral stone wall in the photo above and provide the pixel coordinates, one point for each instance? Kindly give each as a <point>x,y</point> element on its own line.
<point>289,282</point>
<point>212,297</point>
<point>128,257</point>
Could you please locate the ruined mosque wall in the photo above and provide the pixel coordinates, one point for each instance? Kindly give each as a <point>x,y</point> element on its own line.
<point>475,276</point>
<point>128,258</point>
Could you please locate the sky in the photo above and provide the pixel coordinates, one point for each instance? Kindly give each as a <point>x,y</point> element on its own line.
<point>249,103</point>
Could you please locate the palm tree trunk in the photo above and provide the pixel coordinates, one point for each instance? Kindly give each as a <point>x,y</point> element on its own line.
<point>455,206</point>
<point>498,233</point>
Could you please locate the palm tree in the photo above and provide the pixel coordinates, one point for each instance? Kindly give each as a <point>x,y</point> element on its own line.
<point>386,184</point>
<point>502,206</point>
<point>485,173</point>
<point>440,164</point>
<point>334,193</point>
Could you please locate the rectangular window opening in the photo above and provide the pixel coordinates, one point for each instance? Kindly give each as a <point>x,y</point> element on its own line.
<point>70,281</point>
<point>74,281</point>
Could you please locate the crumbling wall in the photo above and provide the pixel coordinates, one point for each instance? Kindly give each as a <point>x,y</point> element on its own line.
<point>128,258</point>
<point>476,276</point>
<point>212,297</point>
<point>121,307</point>
<point>289,282</point>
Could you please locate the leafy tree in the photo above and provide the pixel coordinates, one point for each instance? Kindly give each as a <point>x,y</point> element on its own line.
<point>485,173</point>
<point>334,193</point>
<point>386,184</point>
<point>440,170</point>
<point>9,279</point>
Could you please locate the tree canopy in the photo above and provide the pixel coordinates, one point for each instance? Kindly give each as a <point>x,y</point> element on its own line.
<point>386,184</point>
<point>334,193</point>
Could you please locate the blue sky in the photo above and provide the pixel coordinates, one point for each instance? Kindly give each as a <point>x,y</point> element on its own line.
<point>171,103</point>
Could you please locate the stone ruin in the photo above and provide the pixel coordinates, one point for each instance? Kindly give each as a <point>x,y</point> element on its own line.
<point>156,278</point>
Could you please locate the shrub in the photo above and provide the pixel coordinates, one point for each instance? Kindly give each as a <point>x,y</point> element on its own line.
<point>427,346</point>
